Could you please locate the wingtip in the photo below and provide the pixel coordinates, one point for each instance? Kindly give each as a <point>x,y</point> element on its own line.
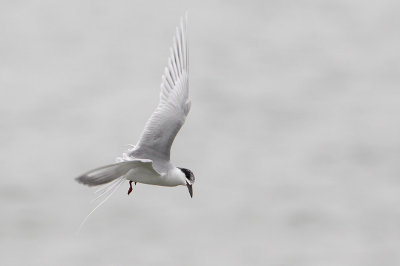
<point>80,180</point>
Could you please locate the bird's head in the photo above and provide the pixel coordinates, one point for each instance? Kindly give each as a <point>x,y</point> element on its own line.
<point>189,176</point>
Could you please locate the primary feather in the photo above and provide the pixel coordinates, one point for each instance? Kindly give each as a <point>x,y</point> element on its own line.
<point>108,173</point>
<point>174,105</point>
<point>149,161</point>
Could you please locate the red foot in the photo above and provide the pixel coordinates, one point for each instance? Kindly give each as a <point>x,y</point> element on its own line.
<point>130,187</point>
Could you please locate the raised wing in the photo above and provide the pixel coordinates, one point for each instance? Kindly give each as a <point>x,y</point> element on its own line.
<point>170,114</point>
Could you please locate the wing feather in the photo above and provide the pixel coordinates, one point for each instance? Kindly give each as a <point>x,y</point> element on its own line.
<point>108,173</point>
<point>174,105</point>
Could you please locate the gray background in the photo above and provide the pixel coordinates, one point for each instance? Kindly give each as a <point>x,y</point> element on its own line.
<point>293,134</point>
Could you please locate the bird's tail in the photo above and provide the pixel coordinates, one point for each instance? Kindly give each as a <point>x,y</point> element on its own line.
<point>113,174</point>
<point>105,192</point>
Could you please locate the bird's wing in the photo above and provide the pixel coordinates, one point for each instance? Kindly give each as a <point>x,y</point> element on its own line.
<point>108,173</point>
<point>174,105</point>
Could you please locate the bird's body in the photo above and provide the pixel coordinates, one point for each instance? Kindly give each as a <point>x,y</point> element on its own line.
<point>149,161</point>
<point>174,177</point>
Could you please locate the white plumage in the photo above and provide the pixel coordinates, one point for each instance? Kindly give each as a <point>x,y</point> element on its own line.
<point>149,161</point>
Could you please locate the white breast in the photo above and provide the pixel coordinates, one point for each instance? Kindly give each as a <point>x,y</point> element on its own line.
<point>174,177</point>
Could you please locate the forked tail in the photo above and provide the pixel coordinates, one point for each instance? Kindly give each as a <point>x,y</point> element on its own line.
<point>115,175</point>
<point>105,192</point>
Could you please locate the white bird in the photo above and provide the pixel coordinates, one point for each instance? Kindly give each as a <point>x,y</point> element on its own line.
<point>148,162</point>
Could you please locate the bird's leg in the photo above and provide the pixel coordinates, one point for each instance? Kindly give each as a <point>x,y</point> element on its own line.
<point>130,187</point>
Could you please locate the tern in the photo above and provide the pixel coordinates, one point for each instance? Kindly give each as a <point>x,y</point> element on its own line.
<point>148,162</point>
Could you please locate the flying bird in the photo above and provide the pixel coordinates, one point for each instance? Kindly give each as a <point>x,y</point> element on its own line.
<point>148,162</point>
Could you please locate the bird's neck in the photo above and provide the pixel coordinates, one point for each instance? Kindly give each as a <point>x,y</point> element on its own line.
<point>177,175</point>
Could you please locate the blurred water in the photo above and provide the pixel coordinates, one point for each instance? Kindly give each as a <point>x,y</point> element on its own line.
<point>292,136</point>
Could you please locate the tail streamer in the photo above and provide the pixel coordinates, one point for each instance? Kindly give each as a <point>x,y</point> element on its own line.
<point>109,189</point>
